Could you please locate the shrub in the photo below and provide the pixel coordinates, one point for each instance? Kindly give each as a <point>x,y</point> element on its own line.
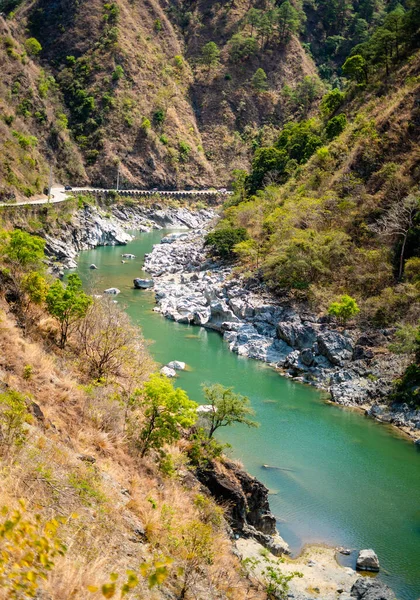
<point>332,101</point>
<point>223,241</point>
<point>13,416</point>
<point>335,126</point>
<point>178,61</point>
<point>412,269</point>
<point>157,25</point>
<point>33,47</point>
<point>344,309</point>
<point>145,124</point>
<point>25,141</point>
<point>242,48</point>
<point>118,73</point>
<point>159,116</point>
<point>28,551</point>
<point>184,150</point>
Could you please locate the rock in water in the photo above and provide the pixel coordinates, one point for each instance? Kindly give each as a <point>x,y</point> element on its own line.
<point>366,588</point>
<point>128,255</point>
<point>143,284</point>
<point>168,372</point>
<point>92,266</point>
<point>177,365</point>
<point>367,561</point>
<point>113,291</point>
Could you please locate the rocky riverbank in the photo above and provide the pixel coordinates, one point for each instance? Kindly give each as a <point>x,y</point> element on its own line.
<point>93,226</point>
<point>354,367</point>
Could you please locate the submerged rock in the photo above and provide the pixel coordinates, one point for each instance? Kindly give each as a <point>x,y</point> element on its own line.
<point>130,256</point>
<point>367,561</point>
<point>92,266</point>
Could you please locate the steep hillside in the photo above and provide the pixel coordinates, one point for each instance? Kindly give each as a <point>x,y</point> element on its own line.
<point>131,87</point>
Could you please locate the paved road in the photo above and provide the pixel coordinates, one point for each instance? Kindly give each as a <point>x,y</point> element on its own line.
<point>59,195</point>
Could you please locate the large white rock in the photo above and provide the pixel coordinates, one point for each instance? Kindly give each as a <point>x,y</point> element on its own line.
<point>168,372</point>
<point>367,561</point>
<point>112,291</point>
<point>177,365</point>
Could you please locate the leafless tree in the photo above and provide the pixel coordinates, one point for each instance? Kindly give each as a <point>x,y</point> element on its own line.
<point>110,346</point>
<point>397,222</point>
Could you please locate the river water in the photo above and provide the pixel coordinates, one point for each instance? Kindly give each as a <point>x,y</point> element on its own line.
<point>340,478</point>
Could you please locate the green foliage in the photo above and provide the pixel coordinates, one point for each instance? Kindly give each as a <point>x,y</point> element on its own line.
<point>407,389</point>
<point>118,73</point>
<point>166,411</point>
<point>241,48</point>
<point>28,550</point>
<point>159,116</point>
<point>184,150</point>
<point>270,160</point>
<point>67,304</point>
<point>356,68</point>
<point>210,55</point>
<point>344,309</point>
<point>223,241</point>
<point>157,26</point>
<point>331,102</point>
<point>35,286</point>
<point>33,47</point>
<point>25,141</point>
<point>259,80</point>
<point>24,251</point>
<point>407,340</point>
<point>13,417</point>
<point>228,408</point>
<point>335,126</point>
<point>145,124</point>
<point>203,450</point>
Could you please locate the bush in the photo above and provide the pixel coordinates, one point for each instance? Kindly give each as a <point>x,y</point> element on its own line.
<point>118,73</point>
<point>332,101</point>
<point>33,47</point>
<point>335,126</point>
<point>223,241</point>
<point>13,416</point>
<point>345,309</point>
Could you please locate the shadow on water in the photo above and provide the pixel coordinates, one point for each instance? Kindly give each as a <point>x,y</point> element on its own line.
<point>352,483</point>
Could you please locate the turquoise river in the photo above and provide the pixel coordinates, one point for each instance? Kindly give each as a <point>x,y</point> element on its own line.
<point>348,480</point>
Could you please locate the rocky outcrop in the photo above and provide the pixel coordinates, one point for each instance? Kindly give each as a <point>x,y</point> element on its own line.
<point>246,501</point>
<point>367,588</point>
<point>352,367</point>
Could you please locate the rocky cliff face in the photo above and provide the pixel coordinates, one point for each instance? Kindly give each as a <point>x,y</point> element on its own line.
<point>246,502</point>
<point>92,226</point>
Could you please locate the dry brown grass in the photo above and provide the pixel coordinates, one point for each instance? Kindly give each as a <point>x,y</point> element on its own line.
<point>102,502</point>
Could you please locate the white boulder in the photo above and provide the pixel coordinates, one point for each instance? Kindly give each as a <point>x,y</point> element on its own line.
<point>168,372</point>
<point>113,291</point>
<point>177,365</point>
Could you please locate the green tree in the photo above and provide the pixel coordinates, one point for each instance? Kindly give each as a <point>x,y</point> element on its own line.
<point>344,309</point>
<point>166,411</point>
<point>267,160</point>
<point>242,48</point>
<point>223,241</point>
<point>33,47</point>
<point>259,80</point>
<point>288,21</point>
<point>210,55</point>
<point>24,251</point>
<point>356,68</point>
<point>68,304</point>
<point>335,126</point>
<point>227,408</point>
<point>331,102</point>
